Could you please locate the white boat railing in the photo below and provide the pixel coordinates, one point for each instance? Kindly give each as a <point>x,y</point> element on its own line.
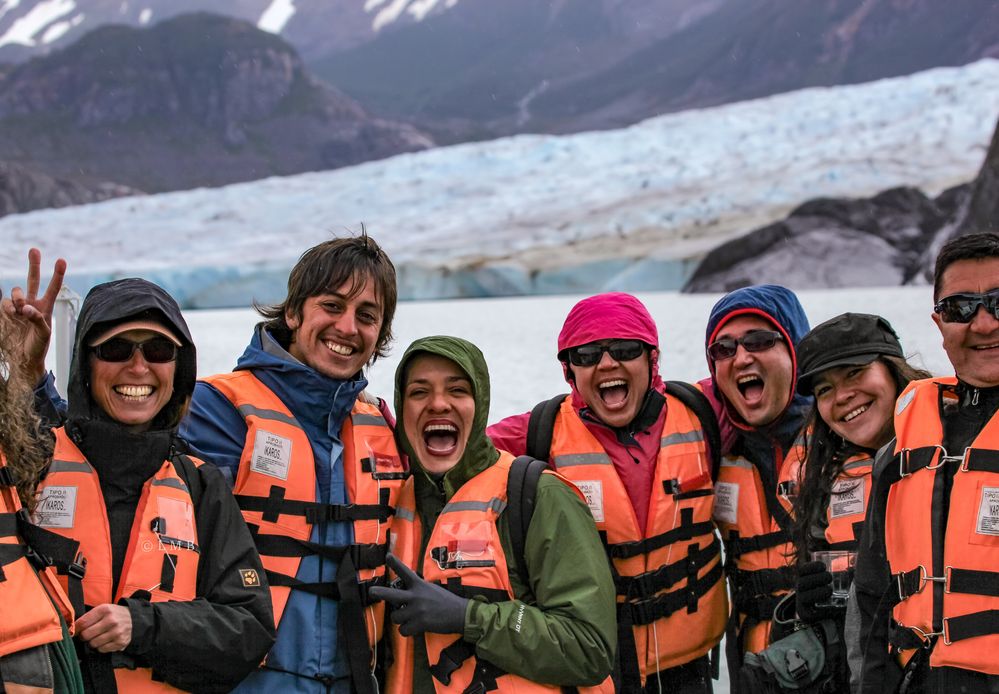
<point>64,314</point>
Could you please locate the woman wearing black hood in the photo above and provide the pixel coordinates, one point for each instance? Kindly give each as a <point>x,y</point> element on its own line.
<point>173,585</point>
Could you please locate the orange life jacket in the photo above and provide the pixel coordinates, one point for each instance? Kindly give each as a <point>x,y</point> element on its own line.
<point>464,555</point>
<point>162,559</point>
<point>276,490</point>
<point>31,600</point>
<point>946,569</point>
<point>755,528</point>
<point>847,507</point>
<point>669,574</point>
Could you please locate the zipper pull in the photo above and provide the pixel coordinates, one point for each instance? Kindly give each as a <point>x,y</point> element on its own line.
<point>974,398</point>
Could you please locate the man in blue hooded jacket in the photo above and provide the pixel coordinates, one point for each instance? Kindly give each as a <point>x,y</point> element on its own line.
<point>313,463</point>
<point>750,345</point>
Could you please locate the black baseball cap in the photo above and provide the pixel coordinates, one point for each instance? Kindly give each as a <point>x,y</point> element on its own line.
<point>849,339</point>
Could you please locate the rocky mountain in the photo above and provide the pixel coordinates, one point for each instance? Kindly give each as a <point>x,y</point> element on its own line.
<point>897,234</point>
<point>476,69</point>
<point>197,100</point>
<point>23,190</point>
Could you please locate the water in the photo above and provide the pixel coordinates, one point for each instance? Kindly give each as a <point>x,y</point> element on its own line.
<point>518,335</point>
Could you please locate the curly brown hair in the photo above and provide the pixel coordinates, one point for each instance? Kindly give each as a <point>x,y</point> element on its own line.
<point>26,449</point>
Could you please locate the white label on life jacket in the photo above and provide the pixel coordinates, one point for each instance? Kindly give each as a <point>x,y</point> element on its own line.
<point>593,490</point>
<point>271,455</point>
<point>726,502</point>
<point>847,498</point>
<point>56,508</point>
<point>988,512</point>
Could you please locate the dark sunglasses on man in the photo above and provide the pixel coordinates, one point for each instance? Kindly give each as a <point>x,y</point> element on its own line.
<point>753,341</point>
<point>961,308</point>
<point>620,350</point>
<point>156,350</point>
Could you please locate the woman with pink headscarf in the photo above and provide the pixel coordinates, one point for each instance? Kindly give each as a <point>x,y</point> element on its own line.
<point>639,454</point>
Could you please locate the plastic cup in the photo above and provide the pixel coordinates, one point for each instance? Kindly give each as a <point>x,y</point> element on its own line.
<point>840,564</point>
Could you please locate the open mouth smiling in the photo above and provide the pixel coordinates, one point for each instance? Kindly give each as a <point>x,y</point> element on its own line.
<point>337,348</point>
<point>133,392</point>
<point>613,393</point>
<point>854,413</point>
<point>440,438</point>
<point>750,386</point>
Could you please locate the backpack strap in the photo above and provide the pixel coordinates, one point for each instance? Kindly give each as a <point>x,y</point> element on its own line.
<point>541,425</point>
<point>522,487</point>
<point>699,404</point>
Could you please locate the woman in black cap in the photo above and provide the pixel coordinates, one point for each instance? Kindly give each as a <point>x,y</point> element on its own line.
<point>854,366</point>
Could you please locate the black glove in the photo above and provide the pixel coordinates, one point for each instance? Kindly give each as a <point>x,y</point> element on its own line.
<point>813,587</point>
<point>419,605</point>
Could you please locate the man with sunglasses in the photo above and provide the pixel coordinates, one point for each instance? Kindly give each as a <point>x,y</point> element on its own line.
<point>927,576</point>
<point>639,454</point>
<point>750,346</point>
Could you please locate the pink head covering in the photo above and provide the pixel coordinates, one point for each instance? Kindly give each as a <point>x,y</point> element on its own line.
<point>613,315</point>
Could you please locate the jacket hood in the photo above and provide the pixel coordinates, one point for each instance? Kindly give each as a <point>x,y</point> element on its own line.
<point>479,451</point>
<point>775,304</point>
<point>110,304</point>
<point>609,316</point>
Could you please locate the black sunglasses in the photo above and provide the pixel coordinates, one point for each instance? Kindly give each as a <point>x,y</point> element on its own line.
<point>592,353</point>
<point>157,350</point>
<point>961,308</point>
<point>753,341</point>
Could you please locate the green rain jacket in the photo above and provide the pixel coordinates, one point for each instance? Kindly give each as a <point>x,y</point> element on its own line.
<point>561,629</point>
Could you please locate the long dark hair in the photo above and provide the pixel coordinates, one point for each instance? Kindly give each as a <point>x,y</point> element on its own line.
<point>826,453</point>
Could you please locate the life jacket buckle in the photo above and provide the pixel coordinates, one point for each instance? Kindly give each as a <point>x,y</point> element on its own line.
<point>928,637</point>
<point>903,462</point>
<point>78,567</point>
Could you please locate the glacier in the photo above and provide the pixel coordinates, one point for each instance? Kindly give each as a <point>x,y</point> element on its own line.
<point>629,209</point>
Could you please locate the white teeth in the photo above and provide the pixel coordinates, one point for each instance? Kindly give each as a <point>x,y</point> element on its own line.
<point>986,346</point>
<point>134,391</point>
<point>440,427</point>
<point>746,379</point>
<point>338,348</point>
<point>613,384</point>
<point>855,413</point>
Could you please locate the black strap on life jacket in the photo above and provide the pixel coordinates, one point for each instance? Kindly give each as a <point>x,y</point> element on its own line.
<point>522,487</point>
<point>364,556</point>
<point>52,549</point>
<point>648,584</point>
<point>687,530</point>
<point>454,656</point>
<point>736,546</point>
<point>910,460</point>
<point>662,606</point>
<point>275,505</point>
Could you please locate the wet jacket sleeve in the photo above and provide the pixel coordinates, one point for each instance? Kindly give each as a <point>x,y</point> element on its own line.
<point>567,635</point>
<point>215,430</point>
<point>872,581</point>
<point>510,434</point>
<point>211,643</point>
<point>49,404</point>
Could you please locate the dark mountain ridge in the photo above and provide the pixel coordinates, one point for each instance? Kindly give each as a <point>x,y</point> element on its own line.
<point>198,100</point>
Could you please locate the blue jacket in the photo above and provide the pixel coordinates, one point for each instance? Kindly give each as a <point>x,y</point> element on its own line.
<point>781,307</point>
<point>307,638</point>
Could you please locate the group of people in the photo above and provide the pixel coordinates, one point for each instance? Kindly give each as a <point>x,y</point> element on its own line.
<point>828,508</point>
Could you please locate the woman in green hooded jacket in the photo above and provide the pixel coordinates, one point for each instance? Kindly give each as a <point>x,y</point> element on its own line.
<point>488,627</point>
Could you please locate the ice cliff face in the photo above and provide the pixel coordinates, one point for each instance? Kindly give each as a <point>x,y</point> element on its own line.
<point>630,209</point>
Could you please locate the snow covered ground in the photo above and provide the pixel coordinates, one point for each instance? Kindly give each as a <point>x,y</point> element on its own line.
<point>540,214</point>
